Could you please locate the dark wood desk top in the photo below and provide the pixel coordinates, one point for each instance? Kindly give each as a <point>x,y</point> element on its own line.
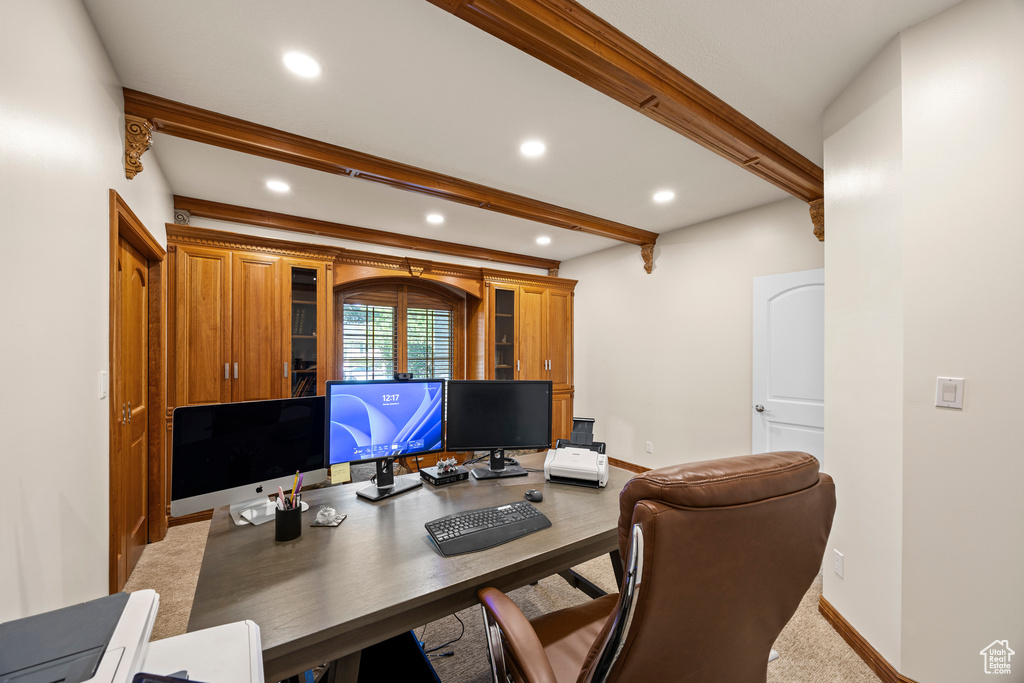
<point>335,590</point>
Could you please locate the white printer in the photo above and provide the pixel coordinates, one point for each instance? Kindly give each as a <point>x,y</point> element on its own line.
<point>579,460</point>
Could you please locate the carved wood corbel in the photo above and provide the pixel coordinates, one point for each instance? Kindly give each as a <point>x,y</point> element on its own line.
<point>138,137</point>
<point>647,253</point>
<point>553,272</point>
<point>818,218</point>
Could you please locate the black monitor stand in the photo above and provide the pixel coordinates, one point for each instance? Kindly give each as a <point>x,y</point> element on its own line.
<point>386,484</point>
<point>498,468</point>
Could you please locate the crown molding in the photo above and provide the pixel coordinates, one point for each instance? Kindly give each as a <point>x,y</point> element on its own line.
<point>201,125</point>
<point>203,208</point>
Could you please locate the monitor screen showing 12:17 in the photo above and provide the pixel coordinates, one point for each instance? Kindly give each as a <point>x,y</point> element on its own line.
<point>384,419</point>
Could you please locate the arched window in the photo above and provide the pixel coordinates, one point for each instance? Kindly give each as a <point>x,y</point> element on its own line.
<point>388,328</point>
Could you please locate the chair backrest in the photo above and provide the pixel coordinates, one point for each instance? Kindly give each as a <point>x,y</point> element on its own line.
<point>729,549</point>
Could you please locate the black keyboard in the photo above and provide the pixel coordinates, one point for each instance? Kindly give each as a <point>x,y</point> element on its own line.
<point>472,530</point>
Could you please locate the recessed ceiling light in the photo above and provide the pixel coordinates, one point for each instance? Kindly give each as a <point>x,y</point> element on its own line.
<point>532,148</point>
<point>278,186</point>
<point>662,196</point>
<point>543,240</point>
<point>302,64</point>
<point>435,218</point>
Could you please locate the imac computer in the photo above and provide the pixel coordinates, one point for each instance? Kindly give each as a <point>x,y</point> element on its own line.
<point>380,420</point>
<point>237,454</point>
<point>495,415</point>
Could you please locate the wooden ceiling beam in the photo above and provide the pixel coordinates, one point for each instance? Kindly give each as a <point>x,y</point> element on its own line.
<point>567,36</point>
<point>202,208</point>
<point>200,125</point>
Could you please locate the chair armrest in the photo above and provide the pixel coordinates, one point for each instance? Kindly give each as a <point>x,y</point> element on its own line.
<point>526,649</point>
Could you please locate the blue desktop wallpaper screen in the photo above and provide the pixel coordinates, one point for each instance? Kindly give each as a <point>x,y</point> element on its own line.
<point>378,419</point>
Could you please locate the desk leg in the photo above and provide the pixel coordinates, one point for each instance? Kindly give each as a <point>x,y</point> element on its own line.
<point>345,669</point>
<point>616,566</point>
<point>581,583</point>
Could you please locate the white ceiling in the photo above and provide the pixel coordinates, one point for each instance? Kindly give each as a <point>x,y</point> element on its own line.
<point>407,81</point>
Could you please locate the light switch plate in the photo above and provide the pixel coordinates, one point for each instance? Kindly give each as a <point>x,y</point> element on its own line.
<point>949,392</point>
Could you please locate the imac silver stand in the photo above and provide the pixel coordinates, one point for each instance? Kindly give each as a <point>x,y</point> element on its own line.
<point>252,511</point>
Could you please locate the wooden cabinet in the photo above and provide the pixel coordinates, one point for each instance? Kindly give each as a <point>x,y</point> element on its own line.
<point>305,327</point>
<point>530,333</point>
<point>256,360</point>
<point>529,336</point>
<point>246,324</point>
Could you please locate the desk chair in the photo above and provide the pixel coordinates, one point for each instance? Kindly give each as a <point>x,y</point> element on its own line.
<point>719,554</point>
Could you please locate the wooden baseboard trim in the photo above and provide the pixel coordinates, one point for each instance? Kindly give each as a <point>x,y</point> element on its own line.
<point>188,519</point>
<point>883,669</point>
<point>628,466</point>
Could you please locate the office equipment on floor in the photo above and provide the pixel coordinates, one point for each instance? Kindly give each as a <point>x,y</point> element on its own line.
<point>239,453</point>
<point>230,653</point>
<point>692,534</point>
<point>99,641</point>
<point>381,420</point>
<point>363,569</point>
<point>496,415</point>
<point>472,530</point>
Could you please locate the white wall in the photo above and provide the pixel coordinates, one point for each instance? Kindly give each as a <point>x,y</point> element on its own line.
<point>61,149</point>
<point>945,233</point>
<point>864,349</point>
<point>666,357</point>
<point>963,553</point>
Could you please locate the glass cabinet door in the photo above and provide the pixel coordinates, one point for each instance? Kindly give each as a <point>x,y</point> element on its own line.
<point>504,334</point>
<point>304,316</point>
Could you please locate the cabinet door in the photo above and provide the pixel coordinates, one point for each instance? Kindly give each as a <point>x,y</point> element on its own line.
<point>559,339</point>
<point>256,327</point>
<point>504,328</point>
<point>304,324</point>
<point>532,336</point>
<point>203,325</point>
<point>561,415</point>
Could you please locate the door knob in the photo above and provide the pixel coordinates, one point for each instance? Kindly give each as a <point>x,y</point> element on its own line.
<point>759,408</point>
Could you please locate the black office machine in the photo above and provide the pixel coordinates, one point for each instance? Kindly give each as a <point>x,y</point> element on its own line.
<point>578,460</point>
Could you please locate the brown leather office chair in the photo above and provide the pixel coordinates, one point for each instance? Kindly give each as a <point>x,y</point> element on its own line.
<point>719,554</point>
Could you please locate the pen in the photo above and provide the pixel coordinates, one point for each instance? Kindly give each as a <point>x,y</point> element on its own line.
<point>298,487</point>
<point>280,498</point>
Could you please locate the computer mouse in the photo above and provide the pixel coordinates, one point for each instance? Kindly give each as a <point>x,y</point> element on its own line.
<point>535,496</point>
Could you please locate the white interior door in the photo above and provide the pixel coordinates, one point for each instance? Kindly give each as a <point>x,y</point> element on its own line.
<point>788,406</point>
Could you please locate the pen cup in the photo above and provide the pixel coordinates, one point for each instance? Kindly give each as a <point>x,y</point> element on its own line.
<point>288,523</point>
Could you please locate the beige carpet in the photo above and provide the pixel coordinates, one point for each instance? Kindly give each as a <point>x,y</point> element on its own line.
<point>810,650</point>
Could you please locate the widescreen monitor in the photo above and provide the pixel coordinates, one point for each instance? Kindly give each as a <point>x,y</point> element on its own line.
<point>498,415</point>
<point>238,453</point>
<point>380,420</point>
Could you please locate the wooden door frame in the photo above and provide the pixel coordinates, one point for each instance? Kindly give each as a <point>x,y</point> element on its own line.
<point>124,224</point>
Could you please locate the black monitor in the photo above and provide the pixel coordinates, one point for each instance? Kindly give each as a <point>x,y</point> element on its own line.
<point>237,454</point>
<point>380,420</point>
<point>495,415</point>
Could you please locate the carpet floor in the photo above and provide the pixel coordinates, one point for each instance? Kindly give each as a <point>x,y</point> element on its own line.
<point>810,650</point>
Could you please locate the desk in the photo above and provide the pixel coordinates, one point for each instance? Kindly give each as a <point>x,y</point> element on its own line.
<point>333,591</point>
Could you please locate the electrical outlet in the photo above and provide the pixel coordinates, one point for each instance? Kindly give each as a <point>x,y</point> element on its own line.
<point>650,447</point>
<point>837,563</point>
